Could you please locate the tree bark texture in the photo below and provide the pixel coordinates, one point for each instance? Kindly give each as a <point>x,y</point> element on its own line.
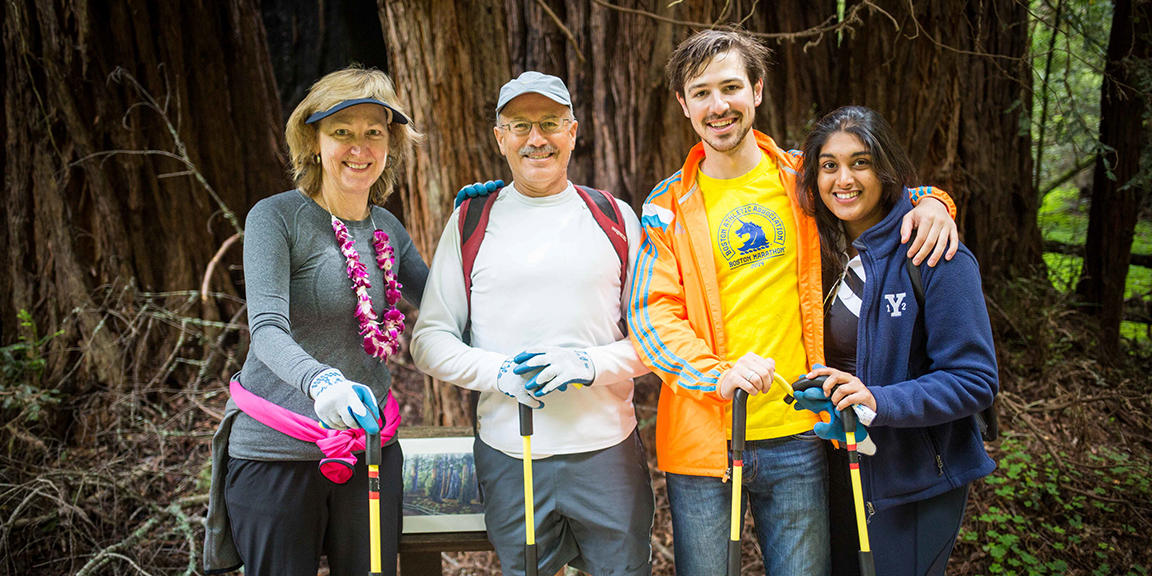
<point>97,207</point>
<point>82,224</point>
<point>1121,179</point>
<point>448,61</point>
<point>953,77</point>
<point>307,40</point>
<point>956,93</point>
<point>954,80</point>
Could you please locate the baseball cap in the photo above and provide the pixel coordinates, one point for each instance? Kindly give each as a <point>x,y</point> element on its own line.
<point>317,116</point>
<point>532,82</point>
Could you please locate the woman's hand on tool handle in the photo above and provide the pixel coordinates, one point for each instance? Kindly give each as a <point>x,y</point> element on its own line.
<point>844,389</point>
<point>751,372</point>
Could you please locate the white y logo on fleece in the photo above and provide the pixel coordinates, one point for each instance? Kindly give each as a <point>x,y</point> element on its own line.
<point>896,303</point>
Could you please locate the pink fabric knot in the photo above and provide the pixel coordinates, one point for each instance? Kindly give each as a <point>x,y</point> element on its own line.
<point>337,445</point>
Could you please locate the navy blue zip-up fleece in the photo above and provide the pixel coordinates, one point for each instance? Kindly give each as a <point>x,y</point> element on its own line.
<point>929,378</point>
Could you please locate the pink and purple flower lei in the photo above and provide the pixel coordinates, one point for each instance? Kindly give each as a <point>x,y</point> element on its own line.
<point>381,337</point>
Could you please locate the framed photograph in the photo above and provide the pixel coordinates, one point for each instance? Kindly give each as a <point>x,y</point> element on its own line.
<point>441,492</point>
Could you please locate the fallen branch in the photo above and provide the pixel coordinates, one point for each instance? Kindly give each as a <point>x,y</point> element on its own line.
<point>1143,260</point>
<point>564,29</point>
<point>112,552</point>
<point>215,259</point>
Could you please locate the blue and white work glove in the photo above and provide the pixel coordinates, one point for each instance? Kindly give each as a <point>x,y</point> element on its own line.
<point>813,399</point>
<point>341,403</point>
<point>514,385</point>
<point>478,189</point>
<point>556,368</point>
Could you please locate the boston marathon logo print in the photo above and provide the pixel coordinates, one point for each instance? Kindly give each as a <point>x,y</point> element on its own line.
<point>750,234</point>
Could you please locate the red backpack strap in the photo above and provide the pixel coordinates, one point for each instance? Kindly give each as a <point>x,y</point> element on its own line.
<point>473,221</point>
<point>607,214</point>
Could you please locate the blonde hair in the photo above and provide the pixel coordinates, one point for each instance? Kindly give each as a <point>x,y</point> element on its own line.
<point>347,84</point>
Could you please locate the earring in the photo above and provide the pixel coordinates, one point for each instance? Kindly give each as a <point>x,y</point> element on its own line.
<point>316,159</point>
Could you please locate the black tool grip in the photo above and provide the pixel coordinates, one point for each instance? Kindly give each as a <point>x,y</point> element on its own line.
<point>372,448</point>
<point>803,384</point>
<point>734,558</point>
<point>530,567</point>
<point>739,419</point>
<point>849,417</point>
<point>525,420</point>
<point>867,568</point>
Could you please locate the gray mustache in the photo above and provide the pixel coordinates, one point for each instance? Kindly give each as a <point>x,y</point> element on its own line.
<point>545,149</point>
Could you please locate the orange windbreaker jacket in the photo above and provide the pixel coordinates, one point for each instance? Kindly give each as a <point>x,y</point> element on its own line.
<point>676,321</point>
<point>675,280</point>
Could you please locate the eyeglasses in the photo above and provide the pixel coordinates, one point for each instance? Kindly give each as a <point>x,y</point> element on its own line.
<point>547,126</point>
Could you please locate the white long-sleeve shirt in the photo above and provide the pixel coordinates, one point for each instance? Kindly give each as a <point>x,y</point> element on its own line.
<point>545,275</point>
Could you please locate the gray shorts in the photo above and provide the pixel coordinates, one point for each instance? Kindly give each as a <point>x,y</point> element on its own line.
<point>593,510</point>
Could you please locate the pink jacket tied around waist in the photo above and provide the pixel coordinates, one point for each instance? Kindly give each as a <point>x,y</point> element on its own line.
<point>337,445</point>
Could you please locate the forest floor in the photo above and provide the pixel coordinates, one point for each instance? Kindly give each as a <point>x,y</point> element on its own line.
<point>1072,494</point>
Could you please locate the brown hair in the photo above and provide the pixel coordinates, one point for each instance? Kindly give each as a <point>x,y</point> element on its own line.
<point>889,161</point>
<point>347,84</point>
<point>694,54</point>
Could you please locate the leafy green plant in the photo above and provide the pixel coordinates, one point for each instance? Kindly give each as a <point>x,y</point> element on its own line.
<point>21,367</point>
<point>1071,499</point>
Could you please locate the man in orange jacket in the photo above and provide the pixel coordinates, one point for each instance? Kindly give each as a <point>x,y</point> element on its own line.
<point>727,292</point>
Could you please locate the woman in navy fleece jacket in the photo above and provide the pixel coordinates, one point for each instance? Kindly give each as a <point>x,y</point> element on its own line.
<point>925,378</point>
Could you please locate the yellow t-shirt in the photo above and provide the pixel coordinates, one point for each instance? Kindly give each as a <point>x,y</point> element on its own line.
<point>753,232</point>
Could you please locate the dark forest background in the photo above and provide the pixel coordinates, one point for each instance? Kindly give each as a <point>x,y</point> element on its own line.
<point>137,135</point>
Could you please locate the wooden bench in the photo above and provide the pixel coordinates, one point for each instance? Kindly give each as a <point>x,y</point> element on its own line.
<point>420,551</point>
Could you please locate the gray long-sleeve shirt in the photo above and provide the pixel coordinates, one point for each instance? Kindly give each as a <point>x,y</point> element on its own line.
<point>300,312</point>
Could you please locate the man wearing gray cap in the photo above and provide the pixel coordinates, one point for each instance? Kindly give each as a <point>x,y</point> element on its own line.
<point>542,305</point>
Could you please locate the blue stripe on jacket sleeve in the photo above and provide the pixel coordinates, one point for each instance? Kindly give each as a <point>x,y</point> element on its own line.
<point>652,345</point>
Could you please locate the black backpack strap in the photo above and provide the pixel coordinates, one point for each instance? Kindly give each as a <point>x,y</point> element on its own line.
<point>917,284</point>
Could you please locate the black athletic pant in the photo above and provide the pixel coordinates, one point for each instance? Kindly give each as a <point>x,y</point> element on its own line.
<point>285,515</point>
<point>911,539</point>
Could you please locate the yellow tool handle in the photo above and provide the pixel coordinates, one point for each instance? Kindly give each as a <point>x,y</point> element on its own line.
<point>737,480</point>
<point>372,456</point>
<point>529,499</point>
<point>857,490</point>
<point>374,524</point>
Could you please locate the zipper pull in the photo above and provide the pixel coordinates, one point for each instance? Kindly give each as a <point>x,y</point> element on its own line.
<point>939,465</point>
<point>870,514</point>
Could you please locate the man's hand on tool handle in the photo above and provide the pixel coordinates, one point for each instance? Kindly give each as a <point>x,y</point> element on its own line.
<point>751,372</point>
<point>843,389</point>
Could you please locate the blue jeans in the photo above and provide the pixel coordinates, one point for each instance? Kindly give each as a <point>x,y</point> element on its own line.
<point>786,483</point>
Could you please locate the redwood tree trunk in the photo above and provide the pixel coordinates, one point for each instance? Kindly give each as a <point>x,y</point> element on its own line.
<point>953,78</point>
<point>957,117</point>
<point>97,209</point>
<point>1120,181</point>
<point>450,82</point>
